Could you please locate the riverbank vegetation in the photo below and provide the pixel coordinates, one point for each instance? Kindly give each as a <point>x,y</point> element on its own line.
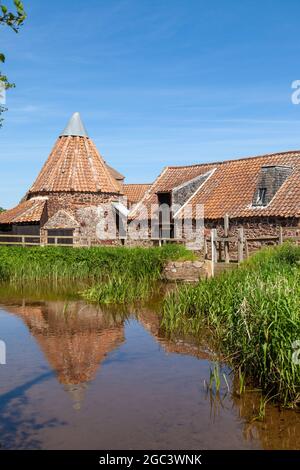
<point>104,274</point>
<point>252,315</point>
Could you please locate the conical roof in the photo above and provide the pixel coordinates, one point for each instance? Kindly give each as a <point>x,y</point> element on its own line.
<point>74,165</point>
<point>75,127</point>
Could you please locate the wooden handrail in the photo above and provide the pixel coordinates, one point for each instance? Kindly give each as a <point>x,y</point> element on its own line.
<point>55,240</point>
<point>18,236</point>
<point>263,239</point>
<point>20,243</point>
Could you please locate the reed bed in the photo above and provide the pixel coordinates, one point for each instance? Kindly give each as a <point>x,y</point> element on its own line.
<point>253,317</point>
<point>102,274</point>
<point>122,290</point>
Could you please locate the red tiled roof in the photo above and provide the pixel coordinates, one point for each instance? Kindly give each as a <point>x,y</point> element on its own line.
<point>27,211</point>
<point>170,178</point>
<point>231,187</point>
<point>115,173</point>
<point>135,192</point>
<point>75,165</point>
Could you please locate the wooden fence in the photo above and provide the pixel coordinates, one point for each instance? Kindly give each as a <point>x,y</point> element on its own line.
<point>35,240</point>
<point>221,245</point>
<point>20,240</point>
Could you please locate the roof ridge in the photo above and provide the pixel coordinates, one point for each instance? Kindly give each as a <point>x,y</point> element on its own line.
<point>191,166</point>
<point>220,162</point>
<point>137,184</point>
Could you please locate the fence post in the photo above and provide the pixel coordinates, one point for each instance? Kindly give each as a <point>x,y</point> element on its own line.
<point>213,236</point>
<point>23,241</point>
<point>226,234</point>
<point>55,240</point>
<point>240,244</point>
<point>280,238</point>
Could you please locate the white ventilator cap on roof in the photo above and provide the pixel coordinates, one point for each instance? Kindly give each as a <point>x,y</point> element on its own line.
<point>75,127</point>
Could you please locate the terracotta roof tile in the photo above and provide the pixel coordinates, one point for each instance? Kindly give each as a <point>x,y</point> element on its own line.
<point>135,192</point>
<point>27,211</point>
<point>75,165</point>
<point>230,188</point>
<point>115,173</point>
<point>170,178</point>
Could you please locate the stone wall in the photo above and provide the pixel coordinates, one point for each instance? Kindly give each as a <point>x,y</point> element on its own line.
<point>254,228</point>
<point>71,201</point>
<point>84,208</point>
<point>142,243</point>
<point>186,271</point>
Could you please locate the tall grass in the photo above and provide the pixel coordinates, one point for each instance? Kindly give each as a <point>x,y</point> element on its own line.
<point>105,274</point>
<point>253,316</point>
<point>97,263</point>
<point>122,290</point>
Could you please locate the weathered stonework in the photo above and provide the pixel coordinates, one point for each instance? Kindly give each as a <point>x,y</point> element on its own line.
<point>81,212</point>
<point>70,201</point>
<point>61,220</point>
<point>255,228</point>
<point>186,271</point>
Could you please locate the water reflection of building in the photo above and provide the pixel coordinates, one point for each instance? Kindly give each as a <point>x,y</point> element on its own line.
<point>280,429</point>
<point>151,322</point>
<point>75,339</point>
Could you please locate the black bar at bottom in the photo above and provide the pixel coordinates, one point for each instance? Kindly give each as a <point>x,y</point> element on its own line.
<point>144,459</point>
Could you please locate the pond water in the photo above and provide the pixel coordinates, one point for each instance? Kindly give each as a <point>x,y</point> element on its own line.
<point>78,376</point>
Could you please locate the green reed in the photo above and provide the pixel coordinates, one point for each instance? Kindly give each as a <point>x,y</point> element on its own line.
<point>103,274</point>
<point>253,316</point>
<point>97,263</point>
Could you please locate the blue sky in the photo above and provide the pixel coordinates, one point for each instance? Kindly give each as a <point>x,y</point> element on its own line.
<point>157,82</point>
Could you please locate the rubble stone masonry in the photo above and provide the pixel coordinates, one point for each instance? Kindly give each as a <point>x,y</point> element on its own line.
<point>255,228</point>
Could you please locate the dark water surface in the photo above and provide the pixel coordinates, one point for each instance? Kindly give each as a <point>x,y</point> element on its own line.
<point>81,377</point>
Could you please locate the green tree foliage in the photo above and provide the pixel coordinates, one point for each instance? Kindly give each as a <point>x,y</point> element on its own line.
<point>12,19</point>
<point>1,209</point>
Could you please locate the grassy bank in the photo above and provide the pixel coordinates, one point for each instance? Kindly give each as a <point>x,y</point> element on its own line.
<point>253,317</point>
<point>113,274</point>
